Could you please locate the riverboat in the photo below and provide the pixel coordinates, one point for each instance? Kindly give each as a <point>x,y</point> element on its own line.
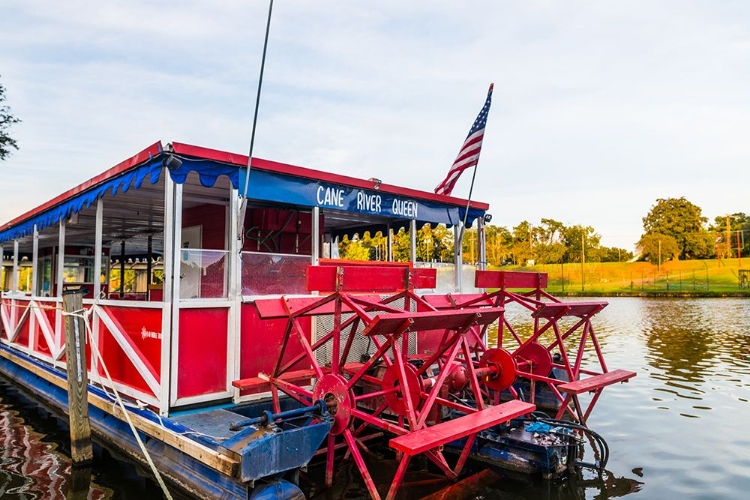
<point>216,309</point>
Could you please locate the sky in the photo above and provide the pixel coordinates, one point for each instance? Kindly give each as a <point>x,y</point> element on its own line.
<point>600,108</point>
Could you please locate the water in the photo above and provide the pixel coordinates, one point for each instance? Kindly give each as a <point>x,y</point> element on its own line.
<point>677,430</point>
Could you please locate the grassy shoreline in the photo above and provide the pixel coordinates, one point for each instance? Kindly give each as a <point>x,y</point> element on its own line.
<point>674,279</point>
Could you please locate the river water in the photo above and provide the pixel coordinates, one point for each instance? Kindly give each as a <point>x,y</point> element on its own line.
<point>680,429</point>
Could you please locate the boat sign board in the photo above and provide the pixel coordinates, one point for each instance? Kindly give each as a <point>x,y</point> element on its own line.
<point>272,186</point>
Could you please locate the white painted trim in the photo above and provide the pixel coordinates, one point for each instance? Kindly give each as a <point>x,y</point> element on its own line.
<point>119,336</point>
<point>458,259</point>
<point>59,278</point>
<point>21,321</point>
<point>98,247</point>
<point>34,260</point>
<point>32,319</point>
<point>102,381</point>
<point>47,330</point>
<point>176,229</point>
<point>166,315</point>
<point>413,240</point>
<point>235,286</point>
<point>5,317</point>
<point>315,257</point>
<point>16,270</point>
<point>98,231</point>
<point>190,400</point>
<point>482,243</point>
<point>139,304</point>
<point>205,304</point>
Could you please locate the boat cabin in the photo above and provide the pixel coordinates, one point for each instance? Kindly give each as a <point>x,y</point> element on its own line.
<point>173,245</point>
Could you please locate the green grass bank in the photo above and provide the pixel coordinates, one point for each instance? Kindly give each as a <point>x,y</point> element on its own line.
<point>686,278</point>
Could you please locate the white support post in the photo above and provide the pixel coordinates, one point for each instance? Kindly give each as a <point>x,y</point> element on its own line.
<point>16,270</point>
<point>34,275</point>
<point>413,240</point>
<point>390,243</point>
<point>235,291</point>
<point>315,236</point>
<point>2,269</point>
<point>166,315</point>
<point>60,261</point>
<point>14,287</point>
<point>98,232</point>
<point>458,256</point>
<point>34,261</point>
<point>59,274</point>
<point>98,248</point>
<point>482,243</point>
<point>175,285</point>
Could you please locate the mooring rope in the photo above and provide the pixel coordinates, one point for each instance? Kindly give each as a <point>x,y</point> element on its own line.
<point>84,314</point>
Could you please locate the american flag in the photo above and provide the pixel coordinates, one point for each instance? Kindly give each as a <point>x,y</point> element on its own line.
<point>469,154</point>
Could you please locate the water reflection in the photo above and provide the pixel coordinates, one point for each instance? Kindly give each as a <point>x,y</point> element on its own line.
<point>696,344</point>
<point>32,468</point>
<point>677,430</point>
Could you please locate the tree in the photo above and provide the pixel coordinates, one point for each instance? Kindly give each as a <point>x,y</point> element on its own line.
<point>732,232</point>
<point>680,219</point>
<point>550,244</point>
<point>581,243</point>
<point>6,120</point>
<point>614,254</point>
<point>443,240</point>
<point>657,247</point>
<point>499,241</point>
<point>425,244</point>
<point>522,243</point>
<point>354,249</point>
<point>401,246</point>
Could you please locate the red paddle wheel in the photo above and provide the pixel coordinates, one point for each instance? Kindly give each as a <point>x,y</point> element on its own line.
<point>561,327</point>
<point>393,389</point>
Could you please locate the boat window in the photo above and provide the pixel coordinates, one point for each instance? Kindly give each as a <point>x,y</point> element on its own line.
<point>203,274</point>
<point>272,273</point>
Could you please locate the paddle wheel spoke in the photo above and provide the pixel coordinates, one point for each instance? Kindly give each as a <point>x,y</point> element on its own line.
<point>425,399</point>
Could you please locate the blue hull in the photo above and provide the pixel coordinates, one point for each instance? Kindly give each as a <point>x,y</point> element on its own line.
<point>265,456</point>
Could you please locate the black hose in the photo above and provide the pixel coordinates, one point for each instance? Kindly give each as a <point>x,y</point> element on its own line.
<point>598,439</point>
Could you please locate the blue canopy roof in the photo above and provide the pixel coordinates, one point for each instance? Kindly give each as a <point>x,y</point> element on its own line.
<point>264,185</point>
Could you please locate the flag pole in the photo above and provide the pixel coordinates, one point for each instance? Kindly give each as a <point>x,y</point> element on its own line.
<point>468,203</point>
<point>471,189</point>
<point>243,207</point>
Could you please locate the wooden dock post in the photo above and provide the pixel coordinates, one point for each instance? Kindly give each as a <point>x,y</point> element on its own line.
<point>81,450</point>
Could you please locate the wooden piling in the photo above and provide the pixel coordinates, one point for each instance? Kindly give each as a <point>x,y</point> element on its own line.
<point>79,483</point>
<point>81,450</point>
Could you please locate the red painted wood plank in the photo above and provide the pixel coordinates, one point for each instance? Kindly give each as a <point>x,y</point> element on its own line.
<point>457,300</point>
<point>437,435</point>
<point>431,320</point>
<point>596,382</point>
<point>510,279</point>
<point>275,309</point>
<point>373,279</point>
<point>257,383</point>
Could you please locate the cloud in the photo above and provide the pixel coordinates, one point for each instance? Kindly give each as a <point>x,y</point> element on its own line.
<point>600,108</point>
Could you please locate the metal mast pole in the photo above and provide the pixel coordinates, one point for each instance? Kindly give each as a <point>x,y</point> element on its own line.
<point>243,207</point>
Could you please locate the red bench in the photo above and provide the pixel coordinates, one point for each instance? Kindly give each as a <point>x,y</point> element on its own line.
<point>431,437</point>
<point>594,384</point>
<point>591,384</point>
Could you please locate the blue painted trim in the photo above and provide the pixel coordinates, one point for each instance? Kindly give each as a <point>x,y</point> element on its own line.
<point>266,186</point>
<point>120,184</point>
<point>182,469</point>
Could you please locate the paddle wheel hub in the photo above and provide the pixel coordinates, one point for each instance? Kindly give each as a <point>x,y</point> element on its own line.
<point>333,391</point>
